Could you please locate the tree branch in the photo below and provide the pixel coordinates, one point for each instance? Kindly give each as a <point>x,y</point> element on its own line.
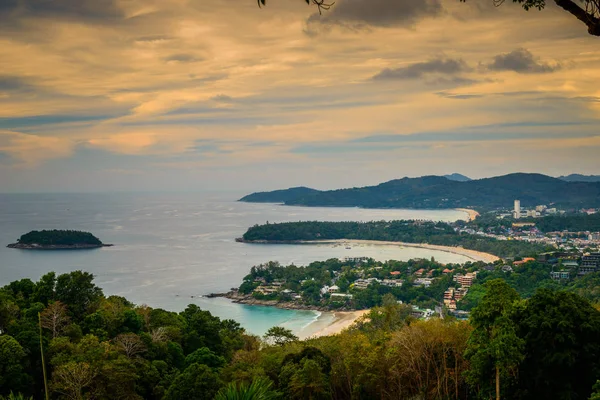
<point>592,22</point>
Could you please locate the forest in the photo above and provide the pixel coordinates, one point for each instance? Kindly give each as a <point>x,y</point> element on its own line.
<point>59,237</point>
<point>437,233</point>
<point>104,347</point>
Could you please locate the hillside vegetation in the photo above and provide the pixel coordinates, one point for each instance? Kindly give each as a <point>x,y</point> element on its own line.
<point>407,231</point>
<point>545,347</point>
<point>432,192</point>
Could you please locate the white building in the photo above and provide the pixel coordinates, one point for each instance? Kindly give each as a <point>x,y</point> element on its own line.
<point>517,211</point>
<point>391,282</point>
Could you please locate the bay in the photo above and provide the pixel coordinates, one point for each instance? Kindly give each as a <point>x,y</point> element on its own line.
<point>173,248</point>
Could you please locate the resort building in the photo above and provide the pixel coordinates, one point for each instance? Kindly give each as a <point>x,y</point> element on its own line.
<point>364,283</point>
<point>465,280</point>
<point>589,264</point>
<point>391,282</point>
<point>560,275</point>
<point>334,289</point>
<point>423,282</point>
<point>341,296</point>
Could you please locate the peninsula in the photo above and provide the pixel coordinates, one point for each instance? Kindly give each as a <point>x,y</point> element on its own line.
<point>57,240</point>
<point>401,232</point>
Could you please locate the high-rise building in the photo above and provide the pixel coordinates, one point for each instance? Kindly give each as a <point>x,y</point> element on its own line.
<point>517,212</point>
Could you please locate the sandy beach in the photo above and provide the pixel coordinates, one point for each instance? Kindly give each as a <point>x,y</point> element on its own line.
<point>341,320</point>
<point>472,213</point>
<point>472,254</point>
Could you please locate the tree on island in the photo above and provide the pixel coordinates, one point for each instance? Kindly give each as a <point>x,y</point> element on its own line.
<point>59,237</point>
<point>588,13</point>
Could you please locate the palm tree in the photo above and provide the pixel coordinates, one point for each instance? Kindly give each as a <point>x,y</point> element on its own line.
<point>259,389</point>
<point>13,396</point>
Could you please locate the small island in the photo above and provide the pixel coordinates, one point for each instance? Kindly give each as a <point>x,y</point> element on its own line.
<point>57,240</point>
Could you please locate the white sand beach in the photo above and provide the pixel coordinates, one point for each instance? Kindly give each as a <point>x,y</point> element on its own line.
<point>341,320</point>
<point>472,254</point>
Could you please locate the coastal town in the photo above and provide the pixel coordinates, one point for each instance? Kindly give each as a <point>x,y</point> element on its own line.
<point>522,224</point>
<point>428,287</point>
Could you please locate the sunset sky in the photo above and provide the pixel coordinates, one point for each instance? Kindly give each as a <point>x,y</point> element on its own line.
<point>190,95</point>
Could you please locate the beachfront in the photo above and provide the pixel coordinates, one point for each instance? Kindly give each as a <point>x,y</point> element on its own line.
<point>472,254</point>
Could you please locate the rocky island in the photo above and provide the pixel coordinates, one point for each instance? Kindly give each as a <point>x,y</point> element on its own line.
<point>57,240</point>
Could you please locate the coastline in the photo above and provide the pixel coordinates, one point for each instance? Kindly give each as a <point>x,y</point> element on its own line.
<point>472,254</point>
<point>35,246</point>
<point>471,213</point>
<point>341,321</point>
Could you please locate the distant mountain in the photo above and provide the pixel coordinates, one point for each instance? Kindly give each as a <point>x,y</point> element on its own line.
<point>279,196</point>
<point>457,177</point>
<point>580,178</point>
<point>440,192</point>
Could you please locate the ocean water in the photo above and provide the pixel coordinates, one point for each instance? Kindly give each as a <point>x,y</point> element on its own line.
<point>173,248</point>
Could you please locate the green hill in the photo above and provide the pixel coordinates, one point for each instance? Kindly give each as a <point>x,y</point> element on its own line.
<point>279,196</point>
<point>430,192</point>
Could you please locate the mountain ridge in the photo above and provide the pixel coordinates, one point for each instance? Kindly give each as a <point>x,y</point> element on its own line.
<point>440,192</point>
<point>580,178</point>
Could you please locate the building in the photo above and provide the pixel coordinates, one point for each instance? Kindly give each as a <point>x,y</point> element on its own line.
<point>341,296</point>
<point>517,210</point>
<point>570,264</point>
<point>589,264</point>
<point>465,280</point>
<point>356,260</point>
<point>395,273</point>
<point>460,293</point>
<point>423,282</point>
<point>391,282</point>
<point>420,313</point>
<point>334,289</point>
<point>560,275</point>
<point>364,283</point>
<point>448,296</point>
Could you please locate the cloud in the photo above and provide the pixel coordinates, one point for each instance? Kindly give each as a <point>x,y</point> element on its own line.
<point>457,96</point>
<point>380,13</point>
<point>222,98</point>
<point>521,61</point>
<point>182,58</point>
<point>80,9</point>
<point>443,66</point>
<point>31,150</point>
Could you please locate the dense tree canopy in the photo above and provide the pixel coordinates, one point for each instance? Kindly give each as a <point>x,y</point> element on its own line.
<point>544,347</point>
<point>437,233</point>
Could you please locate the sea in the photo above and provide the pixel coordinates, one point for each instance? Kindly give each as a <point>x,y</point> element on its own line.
<point>172,249</point>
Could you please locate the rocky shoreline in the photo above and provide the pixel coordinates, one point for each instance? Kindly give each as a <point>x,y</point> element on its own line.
<point>247,299</point>
<point>35,246</point>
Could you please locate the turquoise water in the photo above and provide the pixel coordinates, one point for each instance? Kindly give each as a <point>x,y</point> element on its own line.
<point>170,249</point>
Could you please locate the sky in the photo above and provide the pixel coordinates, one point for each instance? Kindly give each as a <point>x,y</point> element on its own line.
<point>160,95</point>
